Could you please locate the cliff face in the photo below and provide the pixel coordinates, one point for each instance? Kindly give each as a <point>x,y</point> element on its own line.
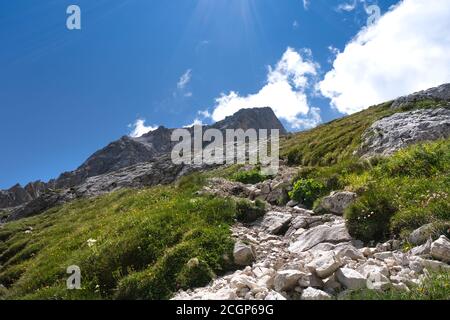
<point>127,151</point>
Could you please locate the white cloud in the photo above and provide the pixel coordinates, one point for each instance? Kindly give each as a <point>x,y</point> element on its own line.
<point>351,5</point>
<point>405,51</point>
<point>347,6</point>
<point>311,120</point>
<point>197,122</point>
<point>184,79</point>
<point>295,24</point>
<point>284,90</point>
<point>202,115</point>
<point>306,4</point>
<point>205,114</point>
<point>139,128</point>
<point>334,52</point>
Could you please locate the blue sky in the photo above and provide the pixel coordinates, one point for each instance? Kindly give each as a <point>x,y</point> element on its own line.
<point>65,94</point>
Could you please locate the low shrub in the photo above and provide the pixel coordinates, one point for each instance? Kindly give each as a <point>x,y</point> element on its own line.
<point>369,217</point>
<point>422,160</point>
<point>247,211</point>
<point>250,176</point>
<point>306,191</point>
<point>196,273</point>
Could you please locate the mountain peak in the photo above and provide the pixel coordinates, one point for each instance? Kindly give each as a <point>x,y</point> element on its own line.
<point>128,151</point>
<point>251,118</point>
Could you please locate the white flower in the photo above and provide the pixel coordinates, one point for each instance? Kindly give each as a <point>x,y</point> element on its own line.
<point>91,242</point>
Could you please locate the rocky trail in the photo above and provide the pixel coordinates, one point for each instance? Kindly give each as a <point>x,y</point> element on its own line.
<point>291,253</point>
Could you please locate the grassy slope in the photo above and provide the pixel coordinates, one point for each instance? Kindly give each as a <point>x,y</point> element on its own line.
<point>336,141</point>
<point>402,193</point>
<point>396,195</point>
<point>332,142</point>
<point>418,175</point>
<point>144,240</point>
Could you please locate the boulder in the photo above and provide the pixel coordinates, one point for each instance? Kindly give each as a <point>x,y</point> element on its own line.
<point>331,284</point>
<point>259,272</point>
<point>303,222</point>
<point>275,193</point>
<point>310,280</point>
<point>242,281</point>
<point>367,268</point>
<point>325,265</point>
<point>440,249</point>
<point>292,203</point>
<point>244,255</point>
<point>286,280</point>
<point>421,235</point>
<point>323,233</point>
<point>350,278</point>
<point>348,251</point>
<point>383,255</point>
<point>336,202</point>
<point>367,252</point>
<point>273,295</point>
<point>378,281</point>
<point>266,281</point>
<point>434,266</point>
<point>422,250</point>
<point>400,286</point>
<point>315,294</point>
<point>276,222</point>
<point>403,129</point>
<point>223,294</point>
<point>416,266</point>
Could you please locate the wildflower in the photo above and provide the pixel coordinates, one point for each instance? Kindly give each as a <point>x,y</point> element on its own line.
<point>91,242</point>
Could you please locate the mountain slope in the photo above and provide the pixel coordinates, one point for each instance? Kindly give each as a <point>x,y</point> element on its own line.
<point>127,152</point>
<point>147,243</point>
<point>341,139</point>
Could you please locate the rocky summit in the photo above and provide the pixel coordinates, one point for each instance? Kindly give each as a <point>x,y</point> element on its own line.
<point>127,162</point>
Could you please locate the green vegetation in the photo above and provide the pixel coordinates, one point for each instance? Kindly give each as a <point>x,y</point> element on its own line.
<point>423,104</point>
<point>435,287</point>
<point>306,191</point>
<point>333,142</point>
<point>247,211</point>
<point>3,214</point>
<point>403,193</point>
<point>396,194</point>
<point>148,244</point>
<point>250,176</point>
